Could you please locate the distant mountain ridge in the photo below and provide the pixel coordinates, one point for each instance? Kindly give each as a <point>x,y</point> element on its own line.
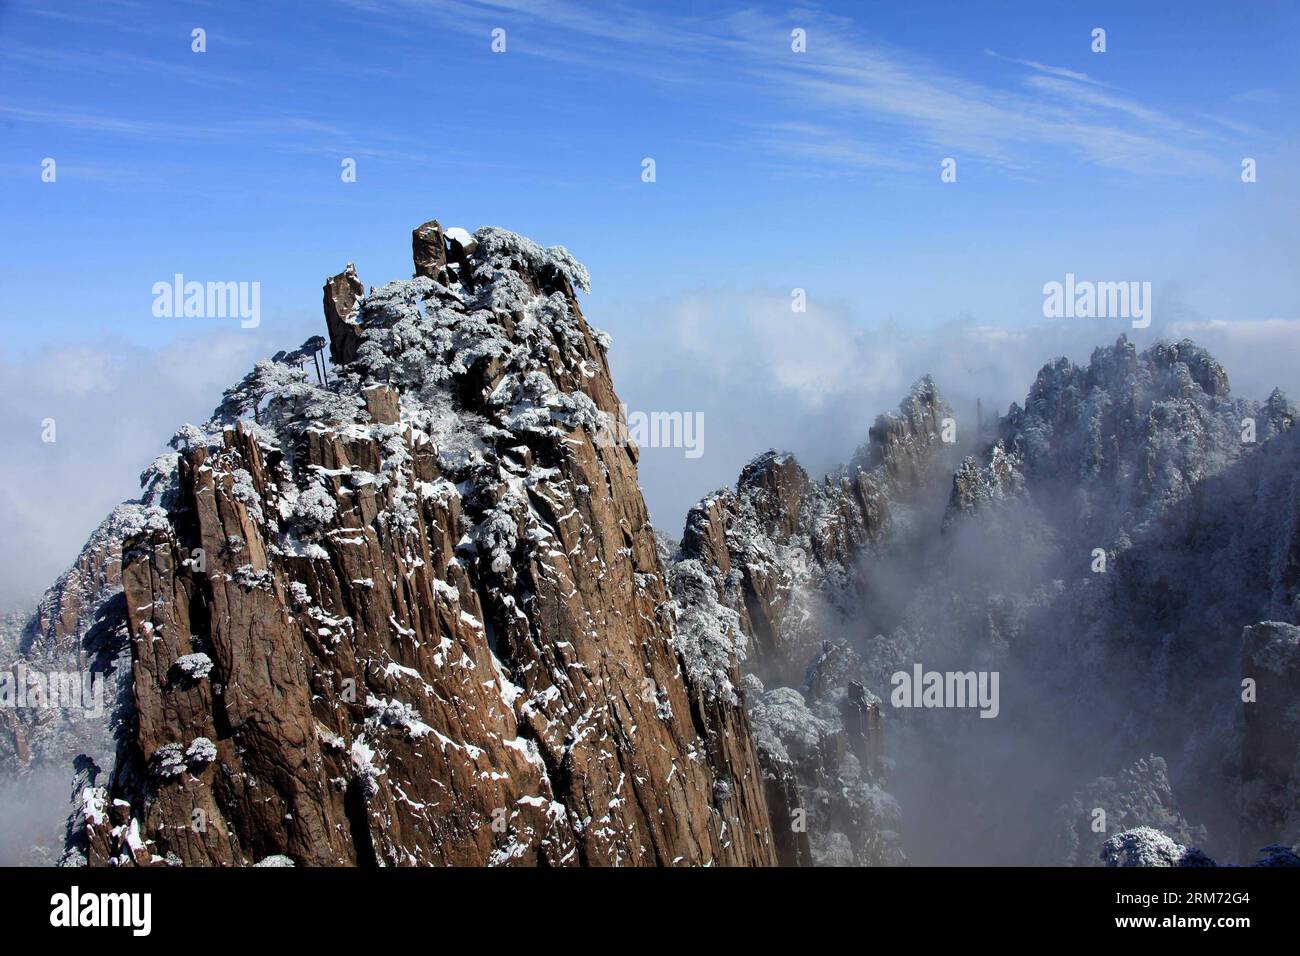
<point>1106,547</point>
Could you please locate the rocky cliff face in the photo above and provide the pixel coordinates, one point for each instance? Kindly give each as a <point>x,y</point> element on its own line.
<point>416,614</point>
<point>785,551</point>
<point>785,557</point>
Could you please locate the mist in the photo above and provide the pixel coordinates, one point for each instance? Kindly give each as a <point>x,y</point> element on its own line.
<point>29,833</point>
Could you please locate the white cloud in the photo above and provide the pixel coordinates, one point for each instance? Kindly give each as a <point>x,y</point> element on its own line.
<point>114,406</point>
<point>1045,68</point>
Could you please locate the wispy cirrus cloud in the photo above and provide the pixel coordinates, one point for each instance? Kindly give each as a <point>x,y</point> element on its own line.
<point>1052,108</point>
<point>846,78</point>
<point>1259,94</point>
<point>98,61</point>
<point>1091,96</point>
<point>852,102</point>
<point>284,133</point>
<point>1046,68</point>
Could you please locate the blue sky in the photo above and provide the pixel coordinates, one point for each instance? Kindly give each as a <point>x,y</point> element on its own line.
<point>775,170</point>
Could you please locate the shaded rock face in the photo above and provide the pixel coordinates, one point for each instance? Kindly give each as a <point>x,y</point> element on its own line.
<point>342,293</point>
<point>1270,747</point>
<point>418,616</point>
<point>429,250</point>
